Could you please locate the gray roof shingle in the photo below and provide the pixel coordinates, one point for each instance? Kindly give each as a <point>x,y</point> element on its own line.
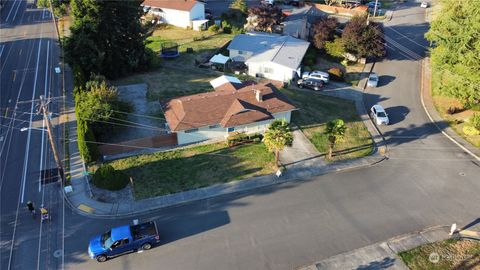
<point>283,50</point>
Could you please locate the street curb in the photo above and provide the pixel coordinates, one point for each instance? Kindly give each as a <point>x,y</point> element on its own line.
<point>249,189</point>
<point>389,242</point>
<point>422,93</point>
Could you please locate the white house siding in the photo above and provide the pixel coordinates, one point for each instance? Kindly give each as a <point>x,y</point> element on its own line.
<point>172,16</point>
<point>236,56</point>
<point>203,133</point>
<point>206,133</point>
<point>197,12</point>
<point>271,71</point>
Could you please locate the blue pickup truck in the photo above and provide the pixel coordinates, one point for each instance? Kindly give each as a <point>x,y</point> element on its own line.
<point>123,239</point>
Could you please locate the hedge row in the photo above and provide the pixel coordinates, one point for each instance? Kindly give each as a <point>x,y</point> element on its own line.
<point>237,138</point>
<point>86,139</point>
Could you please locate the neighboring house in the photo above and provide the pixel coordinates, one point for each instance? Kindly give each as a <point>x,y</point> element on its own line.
<point>213,115</point>
<point>269,55</point>
<point>298,23</point>
<point>181,13</point>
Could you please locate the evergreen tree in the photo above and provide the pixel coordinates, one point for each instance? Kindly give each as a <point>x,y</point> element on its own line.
<point>456,56</point>
<point>107,38</point>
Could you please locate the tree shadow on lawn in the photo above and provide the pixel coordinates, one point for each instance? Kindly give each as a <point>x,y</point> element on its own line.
<point>171,173</point>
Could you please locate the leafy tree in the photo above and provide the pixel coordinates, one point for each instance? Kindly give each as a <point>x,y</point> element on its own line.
<point>455,58</point>
<point>277,137</point>
<point>239,5</point>
<point>263,18</point>
<point>98,105</point>
<point>324,30</point>
<point>333,2</point>
<point>335,131</point>
<point>107,37</point>
<point>363,40</point>
<point>335,48</point>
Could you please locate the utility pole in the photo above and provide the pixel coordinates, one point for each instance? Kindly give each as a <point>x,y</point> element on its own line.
<point>44,110</point>
<point>375,9</point>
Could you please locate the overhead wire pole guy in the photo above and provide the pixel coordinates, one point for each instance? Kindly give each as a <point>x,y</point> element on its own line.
<point>44,110</point>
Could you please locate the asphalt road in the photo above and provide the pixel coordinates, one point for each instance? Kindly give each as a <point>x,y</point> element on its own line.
<point>28,53</point>
<point>426,181</point>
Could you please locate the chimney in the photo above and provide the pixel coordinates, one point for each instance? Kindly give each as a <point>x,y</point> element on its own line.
<point>258,95</point>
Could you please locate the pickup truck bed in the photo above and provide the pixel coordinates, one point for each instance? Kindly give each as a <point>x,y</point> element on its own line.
<point>144,230</point>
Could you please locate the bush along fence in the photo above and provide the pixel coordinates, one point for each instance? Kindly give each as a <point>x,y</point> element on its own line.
<point>236,138</point>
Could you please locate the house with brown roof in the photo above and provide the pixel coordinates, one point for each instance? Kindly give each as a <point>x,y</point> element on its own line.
<point>181,13</point>
<point>231,107</point>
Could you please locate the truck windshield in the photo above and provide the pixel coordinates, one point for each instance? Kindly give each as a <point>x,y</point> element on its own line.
<point>107,240</point>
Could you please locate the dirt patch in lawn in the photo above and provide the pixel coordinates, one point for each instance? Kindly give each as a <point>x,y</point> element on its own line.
<point>316,110</point>
<point>453,254</point>
<point>200,166</point>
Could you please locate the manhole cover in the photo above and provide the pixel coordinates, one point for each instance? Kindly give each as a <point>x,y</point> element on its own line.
<point>57,253</point>
<point>461,173</point>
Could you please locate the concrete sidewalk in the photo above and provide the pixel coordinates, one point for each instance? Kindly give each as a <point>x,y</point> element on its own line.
<point>298,167</point>
<point>381,255</point>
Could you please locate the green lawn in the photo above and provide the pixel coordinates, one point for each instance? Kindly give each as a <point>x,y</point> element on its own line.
<point>180,170</point>
<point>454,254</point>
<point>316,110</point>
<point>180,76</point>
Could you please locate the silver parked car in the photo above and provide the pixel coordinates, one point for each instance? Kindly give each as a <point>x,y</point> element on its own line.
<point>372,80</point>
<point>379,115</point>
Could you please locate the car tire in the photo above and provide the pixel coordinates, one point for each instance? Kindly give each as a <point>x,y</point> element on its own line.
<point>146,246</point>
<point>101,258</point>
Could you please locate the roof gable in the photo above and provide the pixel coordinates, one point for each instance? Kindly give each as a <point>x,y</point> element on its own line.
<point>225,108</point>
<point>184,5</point>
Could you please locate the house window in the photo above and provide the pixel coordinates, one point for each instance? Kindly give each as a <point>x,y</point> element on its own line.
<point>214,126</point>
<point>241,52</point>
<point>191,130</point>
<point>231,129</point>
<point>268,70</point>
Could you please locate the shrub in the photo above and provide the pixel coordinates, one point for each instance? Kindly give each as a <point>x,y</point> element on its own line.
<point>227,27</point>
<point>470,130</point>
<point>336,74</point>
<point>237,30</point>
<point>214,28</point>
<point>107,177</point>
<point>475,121</point>
<point>454,110</point>
<point>237,138</point>
<point>335,48</point>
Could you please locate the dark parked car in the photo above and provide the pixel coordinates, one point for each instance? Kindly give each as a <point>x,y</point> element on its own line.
<point>310,83</point>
